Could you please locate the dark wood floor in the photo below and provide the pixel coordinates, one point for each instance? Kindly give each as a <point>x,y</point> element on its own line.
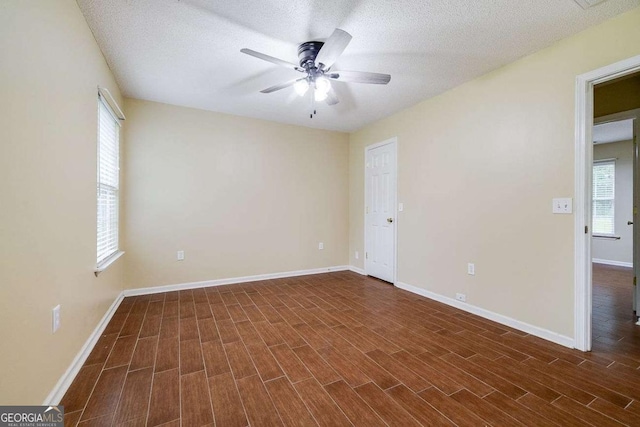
<point>340,349</point>
<point>614,328</point>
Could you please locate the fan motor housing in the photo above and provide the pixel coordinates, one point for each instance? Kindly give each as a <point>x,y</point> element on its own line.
<point>307,53</point>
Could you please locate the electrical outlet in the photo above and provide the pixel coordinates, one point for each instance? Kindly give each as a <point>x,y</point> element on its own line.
<point>357,255</point>
<point>180,255</point>
<point>461,297</point>
<point>471,269</point>
<point>56,318</point>
<point>320,245</point>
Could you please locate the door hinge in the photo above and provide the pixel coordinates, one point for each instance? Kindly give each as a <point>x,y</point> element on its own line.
<point>366,209</point>
<point>366,255</point>
<point>586,229</point>
<point>635,282</point>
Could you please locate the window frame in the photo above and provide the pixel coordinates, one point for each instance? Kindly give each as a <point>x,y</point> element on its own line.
<point>102,260</point>
<point>595,233</point>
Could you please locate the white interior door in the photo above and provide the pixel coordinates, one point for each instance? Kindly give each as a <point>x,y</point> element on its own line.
<point>380,210</point>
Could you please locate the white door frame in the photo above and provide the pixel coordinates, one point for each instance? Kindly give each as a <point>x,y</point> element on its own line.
<point>394,142</point>
<point>583,190</point>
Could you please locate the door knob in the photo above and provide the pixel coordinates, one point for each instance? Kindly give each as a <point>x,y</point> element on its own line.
<point>629,222</point>
<point>389,219</point>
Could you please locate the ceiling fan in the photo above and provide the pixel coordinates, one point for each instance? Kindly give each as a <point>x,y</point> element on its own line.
<point>316,59</point>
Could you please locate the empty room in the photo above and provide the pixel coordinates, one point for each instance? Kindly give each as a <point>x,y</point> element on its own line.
<point>355,212</point>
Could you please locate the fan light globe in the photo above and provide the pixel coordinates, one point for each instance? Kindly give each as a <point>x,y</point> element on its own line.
<point>322,85</point>
<point>301,87</point>
<point>320,96</point>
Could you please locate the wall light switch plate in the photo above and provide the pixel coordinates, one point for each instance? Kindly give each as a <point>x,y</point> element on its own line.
<point>400,207</point>
<point>320,245</point>
<point>563,205</point>
<point>471,269</point>
<point>180,255</point>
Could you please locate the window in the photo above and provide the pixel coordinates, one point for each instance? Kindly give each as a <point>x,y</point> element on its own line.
<point>108,182</point>
<point>604,180</point>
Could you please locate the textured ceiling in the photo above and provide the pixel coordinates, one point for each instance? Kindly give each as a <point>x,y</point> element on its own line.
<point>187,52</point>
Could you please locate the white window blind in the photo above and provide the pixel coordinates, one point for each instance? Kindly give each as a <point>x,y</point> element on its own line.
<point>604,183</point>
<point>108,182</point>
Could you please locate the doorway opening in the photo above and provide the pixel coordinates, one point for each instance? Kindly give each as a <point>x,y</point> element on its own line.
<point>584,194</point>
<point>615,200</point>
<point>380,216</point>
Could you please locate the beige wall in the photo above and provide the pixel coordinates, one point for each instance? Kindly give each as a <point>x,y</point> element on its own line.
<point>618,250</point>
<point>240,196</point>
<point>49,72</point>
<point>478,167</point>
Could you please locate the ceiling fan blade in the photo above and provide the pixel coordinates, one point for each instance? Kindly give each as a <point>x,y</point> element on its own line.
<point>359,77</point>
<point>333,48</point>
<point>332,98</point>
<point>271,59</point>
<point>280,86</point>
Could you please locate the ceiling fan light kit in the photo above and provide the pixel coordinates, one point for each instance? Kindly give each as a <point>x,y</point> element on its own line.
<point>316,59</point>
<point>301,86</point>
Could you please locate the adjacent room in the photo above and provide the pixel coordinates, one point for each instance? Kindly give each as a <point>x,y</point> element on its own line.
<point>353,212</point>
<point>616,197</point>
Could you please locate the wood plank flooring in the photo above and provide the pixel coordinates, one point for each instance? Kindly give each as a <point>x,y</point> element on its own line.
<point>342,349</point>
<point>613,317</point>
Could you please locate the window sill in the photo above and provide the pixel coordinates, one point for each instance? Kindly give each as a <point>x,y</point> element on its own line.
<point>107,262</point>
<point>604,236</point>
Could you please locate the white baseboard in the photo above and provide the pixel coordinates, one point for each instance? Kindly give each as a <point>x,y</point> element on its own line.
<point>357,270</point>
<point>67,378</point>
<point>231,281</point>
<point>611,262</point>
<point>508,321</point>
